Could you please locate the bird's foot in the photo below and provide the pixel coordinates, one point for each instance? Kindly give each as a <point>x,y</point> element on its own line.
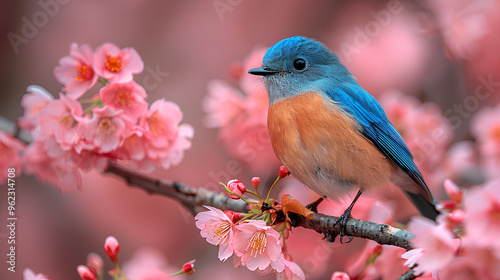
<point>314,205</point>
<point>342,221</point>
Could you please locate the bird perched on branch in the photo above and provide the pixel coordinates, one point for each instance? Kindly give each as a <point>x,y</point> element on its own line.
<point>329,132</point>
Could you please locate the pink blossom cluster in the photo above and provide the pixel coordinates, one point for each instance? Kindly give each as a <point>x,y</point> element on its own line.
<point>71,134</point>
<point>464,241</point>
<point>254,244</point>
<point>240,113</point>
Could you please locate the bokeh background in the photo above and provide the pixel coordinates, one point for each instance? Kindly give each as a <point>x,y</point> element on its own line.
<point>435,51</point>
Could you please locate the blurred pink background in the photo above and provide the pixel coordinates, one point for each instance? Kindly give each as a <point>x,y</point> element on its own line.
<point>438,52</point>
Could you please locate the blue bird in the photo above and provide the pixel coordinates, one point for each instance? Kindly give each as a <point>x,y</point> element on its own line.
<point>329,132</point>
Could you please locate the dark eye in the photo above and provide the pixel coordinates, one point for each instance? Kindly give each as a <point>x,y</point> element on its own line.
<point>299,64</point>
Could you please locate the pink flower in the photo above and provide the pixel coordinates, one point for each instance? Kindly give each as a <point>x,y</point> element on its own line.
<point>126,96</point>
<point>378,262</point>
<point>75,71</point>
<point>257,244</point>
<point>218,229</point>
<point>134,145</point>
<point>288,270</point>
<point>59,119</point>
<point>337,275</point>
<point>438,244</point>
<point>485,127</point>
<point>112,248</point>
<point>55,171</point>
<point>413,256</point>
<point>10,158</point>
<point>237,187</point>
<point>482,206</point>
<point>28,274</point>
<point>223,103</point>
<point>106,130</point>
<point>115,64</point>
<point>161,122</point>
<point>35,98</point>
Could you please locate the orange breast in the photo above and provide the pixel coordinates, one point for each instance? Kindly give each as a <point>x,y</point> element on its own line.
<point>322,147</point>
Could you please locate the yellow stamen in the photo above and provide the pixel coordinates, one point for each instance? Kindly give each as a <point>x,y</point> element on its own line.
<point>155,125</point>
<point>257,243</point>
<point>84,73</point>
<point>124,98</point>
<point>68,120</point>
<point>114,63</point>
<point>222,231</point>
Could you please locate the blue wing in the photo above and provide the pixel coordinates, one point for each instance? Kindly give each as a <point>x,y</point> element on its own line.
<point>376,128</point>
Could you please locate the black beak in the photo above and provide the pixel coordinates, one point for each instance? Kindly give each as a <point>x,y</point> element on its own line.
<point>262,71</point>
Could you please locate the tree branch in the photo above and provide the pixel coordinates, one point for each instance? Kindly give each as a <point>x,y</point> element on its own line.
<point>193,198</point>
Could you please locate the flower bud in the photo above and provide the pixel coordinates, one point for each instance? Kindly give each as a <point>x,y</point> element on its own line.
<point>237,187</point>
<point>95,261</point>
<point>86,273</point>
<point>283,172</point>
<point>188,268</point>
<point>255,182</point>
<point>112,248</point>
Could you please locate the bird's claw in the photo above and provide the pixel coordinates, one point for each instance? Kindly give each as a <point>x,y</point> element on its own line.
<point>343,222</point>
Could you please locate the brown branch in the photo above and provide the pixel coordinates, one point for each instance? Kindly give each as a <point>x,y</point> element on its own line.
<point>193,198</point>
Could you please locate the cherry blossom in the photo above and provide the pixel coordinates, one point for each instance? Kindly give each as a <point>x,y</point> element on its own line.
<point>75,71</point>
<point>257,244</point>
<point>218,229</point>
<point>115,64</point>
<point>128,97</point>
<point>35,98</point>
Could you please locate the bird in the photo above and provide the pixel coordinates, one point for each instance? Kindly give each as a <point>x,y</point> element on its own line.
<point>330,133</point>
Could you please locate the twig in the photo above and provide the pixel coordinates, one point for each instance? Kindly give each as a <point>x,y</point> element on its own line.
<point>191,198</point>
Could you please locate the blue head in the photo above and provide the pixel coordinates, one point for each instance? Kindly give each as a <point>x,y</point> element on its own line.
<point>296,65</point>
